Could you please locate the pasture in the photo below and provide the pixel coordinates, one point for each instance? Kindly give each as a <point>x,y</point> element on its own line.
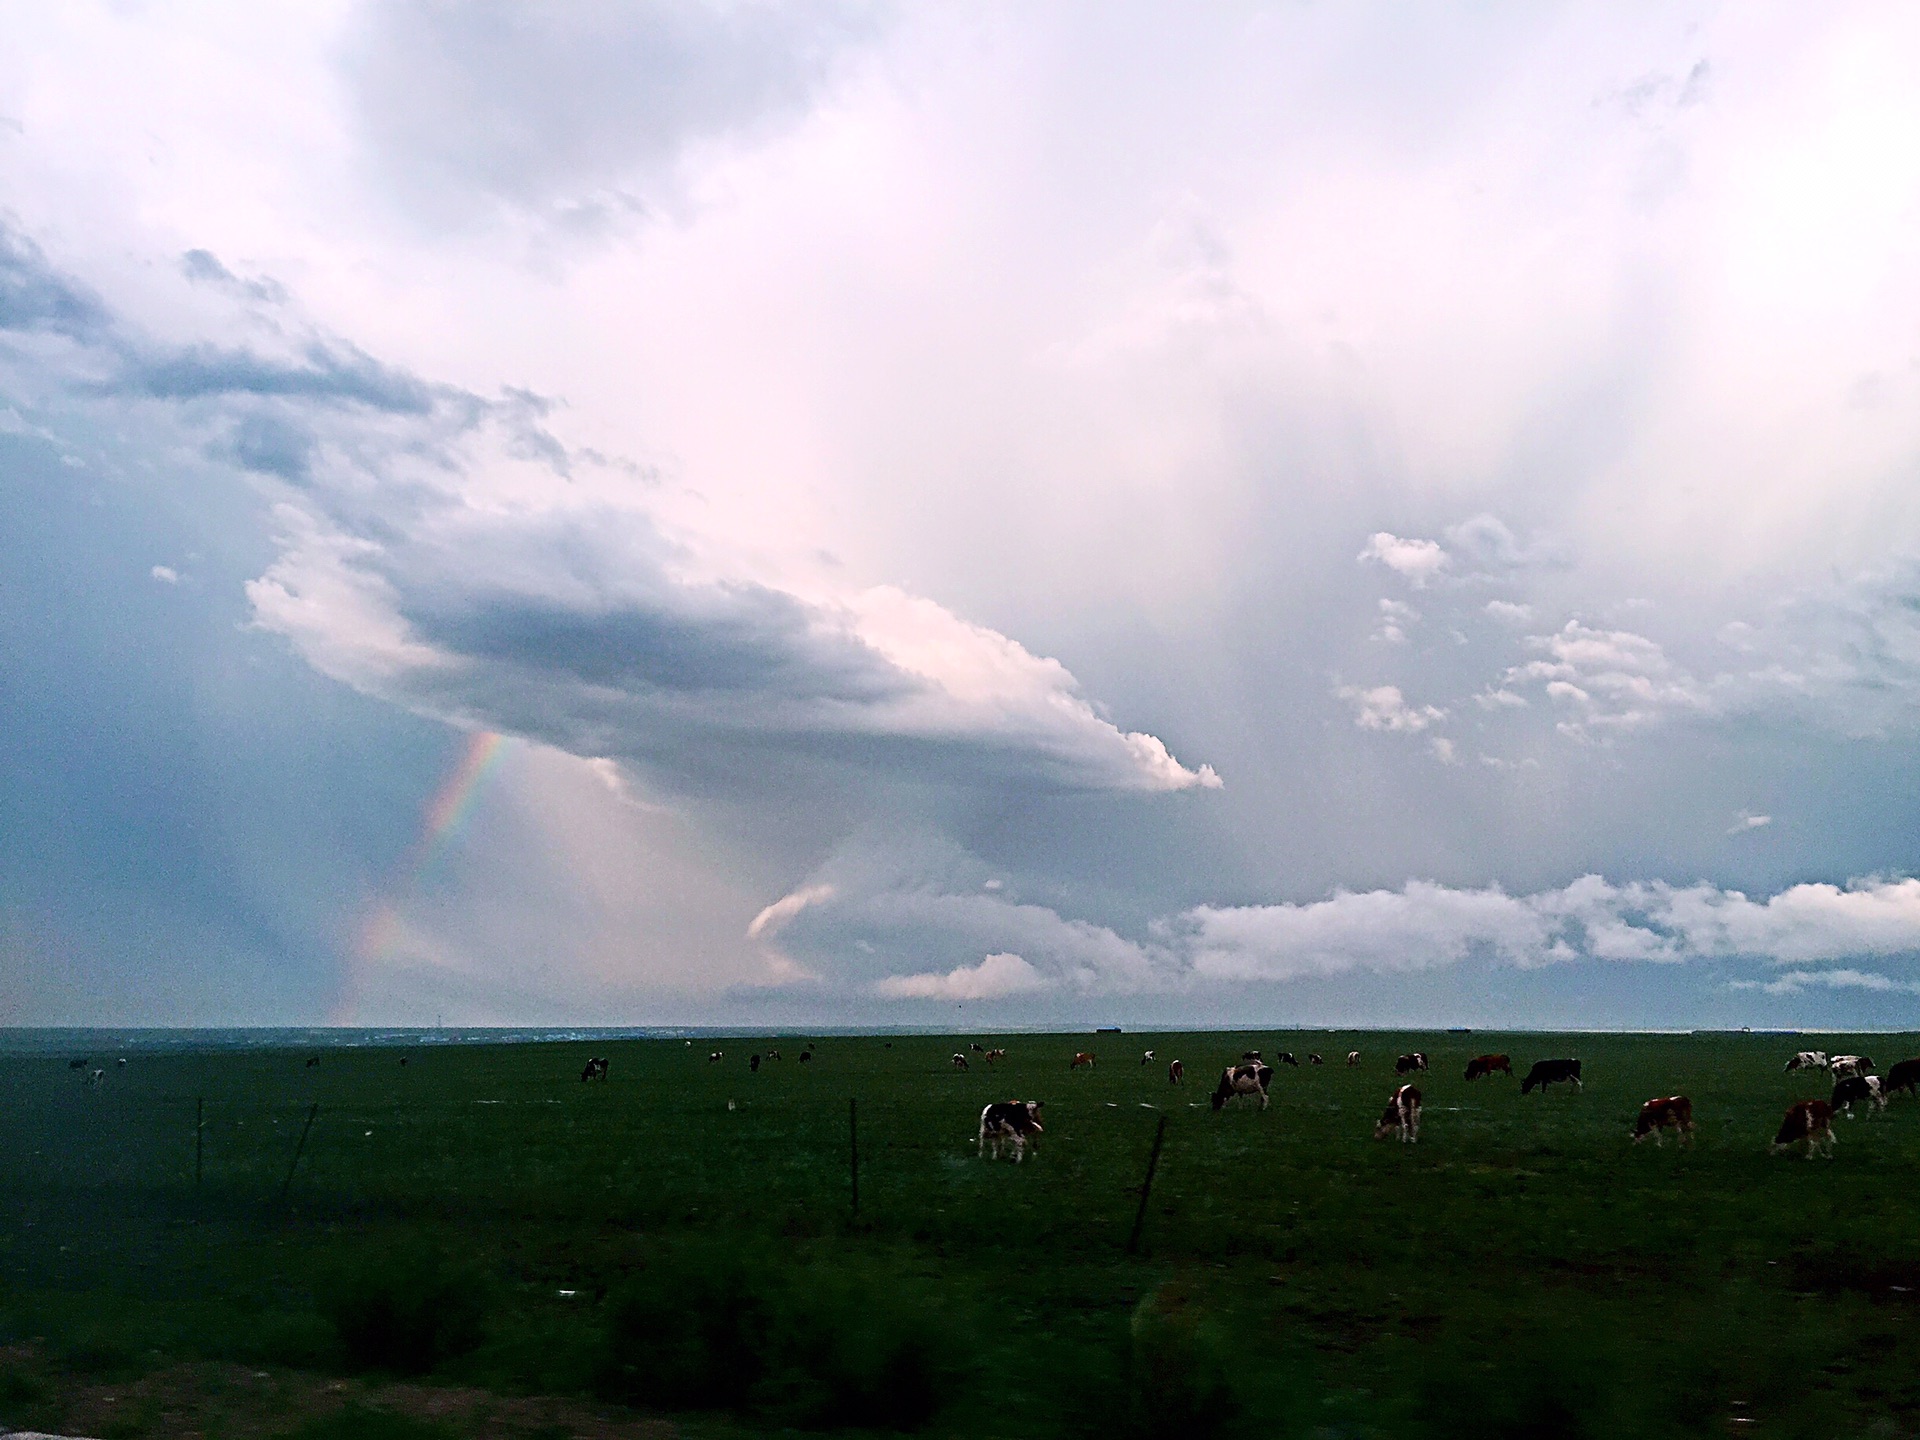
<point>677,1244</point>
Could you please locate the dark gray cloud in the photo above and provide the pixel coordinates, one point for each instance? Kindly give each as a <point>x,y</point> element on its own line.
<point>330,373</point>
<point>582,110</point>
<point>35,296</point>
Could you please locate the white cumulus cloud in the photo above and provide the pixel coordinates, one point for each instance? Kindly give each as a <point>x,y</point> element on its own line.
<point>996,976</point>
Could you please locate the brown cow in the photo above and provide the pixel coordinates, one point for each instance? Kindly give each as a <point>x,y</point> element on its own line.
<point>1080,1058</point>
<point>1487,1064</point>
<point>1811,1121</point>
<point>1669,1112</point>
<point>1176,1072</point>
<point>1402,1116</point>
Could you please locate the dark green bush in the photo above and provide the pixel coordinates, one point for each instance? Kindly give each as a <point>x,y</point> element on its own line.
<point>709,1328</point>
<point>405,1310</point>
<point>1176,1382</point>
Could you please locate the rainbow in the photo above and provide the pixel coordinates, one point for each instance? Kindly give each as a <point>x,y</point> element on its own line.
<point>444,817</point>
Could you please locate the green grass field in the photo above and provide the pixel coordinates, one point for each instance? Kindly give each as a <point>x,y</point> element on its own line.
<point>679,1241</point>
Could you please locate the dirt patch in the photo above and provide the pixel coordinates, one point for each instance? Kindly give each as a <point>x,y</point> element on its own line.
<point>232,1402</point>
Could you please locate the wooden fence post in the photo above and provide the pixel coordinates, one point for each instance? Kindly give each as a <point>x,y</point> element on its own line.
<point>1146,1186</point>
<point>853,1150</point>
<point>298,1151</point>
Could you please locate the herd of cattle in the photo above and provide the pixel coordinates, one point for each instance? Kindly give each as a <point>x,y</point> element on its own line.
<point>1011,1125</point>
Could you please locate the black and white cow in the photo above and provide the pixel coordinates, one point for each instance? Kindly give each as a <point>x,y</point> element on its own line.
<point>1852,1089</point>
<point>960,1061</point>
<point>1551,1072</point>
<point>1353,1058</point>
<point>1286,1058</point>
<point>1176,1072</point>
<point>1315,1060</point>
<point>1249,1080</point>
<point>1009,1122</point>
<point>1407,1064</point>
<point>1808,1060</point>
<point>1401,1117</point>
<point>714,1057</point>
<point>594,1069</point>
<point>1146,1057</point>
<point>1905,1075</point>
<point>1842,1066</point>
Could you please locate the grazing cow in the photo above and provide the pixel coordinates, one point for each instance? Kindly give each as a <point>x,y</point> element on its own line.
<point>123,1062</point>
<point>594,1069</point>
<point>1353,1058</point>
<point>1009,1122</point>
<point>773,1054</point>
<point>1250,1056</point>
<point>993,1055</point>
<point>1905,1075</point>
<point>715,1056</point>
<point>1401,1117</point>
<point>1811,1121</point>
<point>1853,1088</point>
<point>79,1064</point>
<point>1176,1072</point>
<point>312,1060</point>
<point>1243,1080</point>
<point>96,1078</point>
<point>1844,1065</point>
<point>1551,1072</point>
<point>753,1062</point>
<point>960,1061</point>
<point>1808,1060</point>
<point>1146,1057</point>
<point>1080,1059</point>
<point>1315,1060</point>
<point>1407,1064</point>
<point>1486,1064</point>
<point>977,1047</point>
<point>1669,1112</point>
<point>1286,1058</point>
<point>806,1055</point>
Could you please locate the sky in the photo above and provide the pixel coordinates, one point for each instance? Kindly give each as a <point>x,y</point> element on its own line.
<point>850,513</point>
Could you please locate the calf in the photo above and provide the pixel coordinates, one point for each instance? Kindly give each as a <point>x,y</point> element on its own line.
<point>1808,1060</point>
<point>1487,1064</point>
<point>1811,1121</point>
<point>1176,1072</point>
<point>1845,1065</point>
<point>1081,1060</point>
<point>1402,1116</point>
<point>960,1061</point>
<point>1905,1075</point>
<point>1353,1058</point>
<point>1243,1080</point>
<point>1009,1122</point>
<point>1551,1072</point>
<point>1854,1088</point>
<point>1669,1112</point>
<point>1407,1064</point>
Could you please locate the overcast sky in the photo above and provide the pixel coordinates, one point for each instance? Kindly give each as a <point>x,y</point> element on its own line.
<point>623,513</point>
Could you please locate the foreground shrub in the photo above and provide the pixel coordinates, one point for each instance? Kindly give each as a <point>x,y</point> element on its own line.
<point>405,1310</point>
<point>702,1327</point>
